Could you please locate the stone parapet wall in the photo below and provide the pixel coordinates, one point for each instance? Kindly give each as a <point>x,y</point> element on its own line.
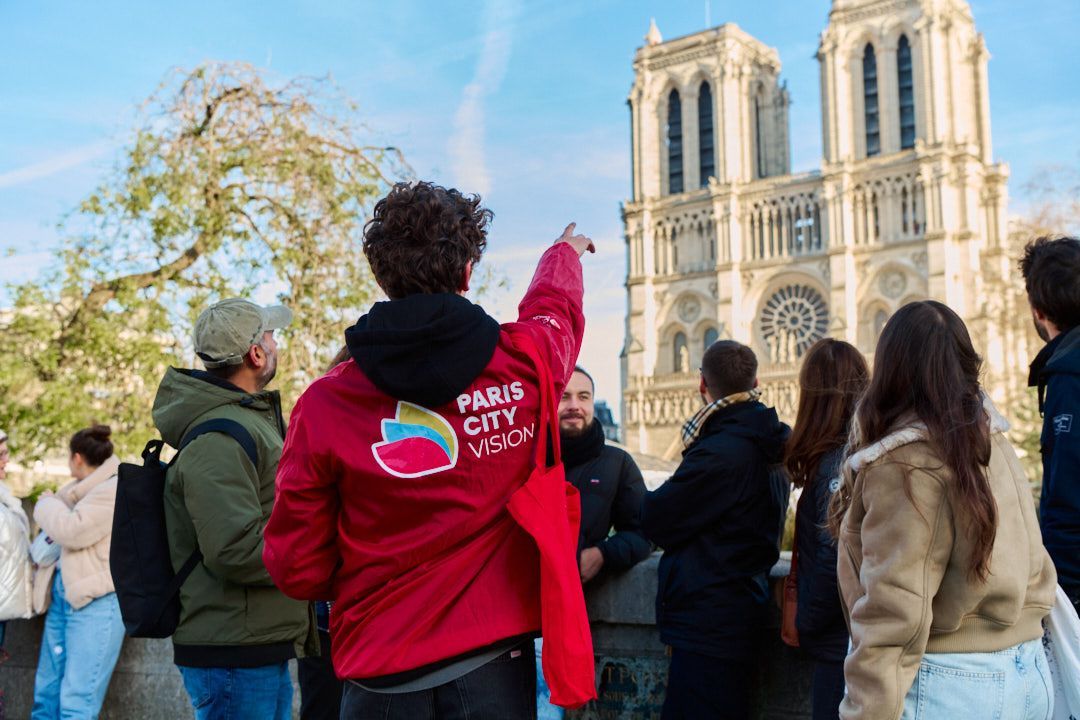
<point>631,664</point>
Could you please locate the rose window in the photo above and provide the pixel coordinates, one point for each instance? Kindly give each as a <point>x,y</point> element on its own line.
<point>792,320</point>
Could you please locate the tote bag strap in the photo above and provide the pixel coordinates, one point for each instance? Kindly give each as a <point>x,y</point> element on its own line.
<point>548,424</point>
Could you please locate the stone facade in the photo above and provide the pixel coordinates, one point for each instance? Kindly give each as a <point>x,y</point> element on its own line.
<point>723,241</point>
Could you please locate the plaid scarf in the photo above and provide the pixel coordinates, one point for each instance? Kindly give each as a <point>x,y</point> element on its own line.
<point>693,426</point>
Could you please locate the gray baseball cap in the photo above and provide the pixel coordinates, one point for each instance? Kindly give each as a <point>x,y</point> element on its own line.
<point>225,331</point>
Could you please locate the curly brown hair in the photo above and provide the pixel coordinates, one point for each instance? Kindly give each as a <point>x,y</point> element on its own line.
<point>422,236</point>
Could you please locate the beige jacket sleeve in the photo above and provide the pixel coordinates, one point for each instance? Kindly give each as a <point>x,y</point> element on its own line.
<point>82,526</point>
<point>906,545</point>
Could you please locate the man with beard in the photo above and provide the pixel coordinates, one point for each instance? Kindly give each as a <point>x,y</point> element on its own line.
<point>611,489</point>
<point>237,631</point>
<point>609,481</point>
<point>1051,269</point>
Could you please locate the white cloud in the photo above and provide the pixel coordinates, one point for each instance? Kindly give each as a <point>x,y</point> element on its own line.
<point>466,145</point>
<point>55,164</point>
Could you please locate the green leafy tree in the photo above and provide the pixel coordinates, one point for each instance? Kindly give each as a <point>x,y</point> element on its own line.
<point>230,185</point>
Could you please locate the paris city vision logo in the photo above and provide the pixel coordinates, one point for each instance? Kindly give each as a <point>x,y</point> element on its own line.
<point>416,442</point>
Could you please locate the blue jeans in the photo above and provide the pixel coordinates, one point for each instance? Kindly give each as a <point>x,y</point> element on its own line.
<point>1013,683</point>
<point>78,653</point>
<point>259,693</point>
<point>544,709</point>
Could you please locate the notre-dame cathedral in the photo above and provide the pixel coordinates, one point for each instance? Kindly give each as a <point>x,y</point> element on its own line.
<point>723,241</point>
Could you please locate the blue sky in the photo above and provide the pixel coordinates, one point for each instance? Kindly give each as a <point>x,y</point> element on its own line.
<point>521,100</point>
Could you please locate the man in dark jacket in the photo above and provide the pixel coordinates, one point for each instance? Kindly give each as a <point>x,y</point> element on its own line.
<point>237,631</point>
<point>1051,269</point>
<point>611,489</point>
<point>718,519</point>
<point>609,481</point>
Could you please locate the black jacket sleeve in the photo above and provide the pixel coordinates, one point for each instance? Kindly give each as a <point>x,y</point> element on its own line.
<point>627,546</point>
<point>693,499</point>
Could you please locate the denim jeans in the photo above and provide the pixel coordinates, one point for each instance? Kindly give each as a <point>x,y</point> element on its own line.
<point>78,653</point>
<point>544,709</point>
<point>259,693</point>
<point>1010,684</point>
<point>503,689</point>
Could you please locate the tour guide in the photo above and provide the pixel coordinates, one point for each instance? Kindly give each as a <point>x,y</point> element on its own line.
<point>402,466</point>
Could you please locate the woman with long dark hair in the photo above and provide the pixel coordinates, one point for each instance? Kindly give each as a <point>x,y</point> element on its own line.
<point>833,376</point>
<point>942,569</point>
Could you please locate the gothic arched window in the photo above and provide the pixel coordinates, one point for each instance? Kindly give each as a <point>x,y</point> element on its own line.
<point>711,336</point>
<point>880,318</point>
<point>706,145</point>
<point>907,93</point>
<point>870,101</point>
<point>674,138</point>
<point>680,354</point>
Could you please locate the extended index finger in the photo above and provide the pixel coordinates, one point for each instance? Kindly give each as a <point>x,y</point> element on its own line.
<point>569,229</point>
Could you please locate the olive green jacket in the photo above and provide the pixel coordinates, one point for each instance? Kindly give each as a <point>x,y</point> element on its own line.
<point>231,614</point>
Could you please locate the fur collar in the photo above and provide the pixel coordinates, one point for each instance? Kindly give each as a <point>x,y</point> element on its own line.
<point>915,432</point>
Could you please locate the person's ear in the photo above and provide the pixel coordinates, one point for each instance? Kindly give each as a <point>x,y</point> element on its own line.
<point>466,278</point>
<point>256,357</point>
<point>754,386</point>
<point>702,387</point>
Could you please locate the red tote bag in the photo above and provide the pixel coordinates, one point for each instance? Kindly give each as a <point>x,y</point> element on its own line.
<point>548,509</point>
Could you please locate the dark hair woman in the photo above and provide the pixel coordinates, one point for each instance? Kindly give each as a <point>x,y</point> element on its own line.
<point>942,569</point>
<point>83,628</point>
<point>833,376</point>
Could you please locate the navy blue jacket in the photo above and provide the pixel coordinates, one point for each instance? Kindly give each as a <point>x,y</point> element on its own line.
<point>819,618</point>
<point>611,489</point>
<point>1056,372</point>
<point>718,520</point>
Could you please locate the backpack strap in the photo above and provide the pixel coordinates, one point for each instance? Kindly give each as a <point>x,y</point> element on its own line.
<point>240,434</point>
<point>232,428</point>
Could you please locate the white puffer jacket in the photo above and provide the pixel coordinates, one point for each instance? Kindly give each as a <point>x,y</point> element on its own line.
<point>16,570</point>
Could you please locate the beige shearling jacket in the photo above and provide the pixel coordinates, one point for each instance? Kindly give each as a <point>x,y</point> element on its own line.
<point>79,517</point>
<point>903,565</point>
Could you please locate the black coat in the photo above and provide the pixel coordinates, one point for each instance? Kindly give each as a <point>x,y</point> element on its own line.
<point>1056,372</point>
<point>718,519</point>
<point>611,489</point>
<point>820,618</point>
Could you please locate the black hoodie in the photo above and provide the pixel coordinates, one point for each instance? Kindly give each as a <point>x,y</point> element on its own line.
<point>718,520</point>
<point>423,348</point>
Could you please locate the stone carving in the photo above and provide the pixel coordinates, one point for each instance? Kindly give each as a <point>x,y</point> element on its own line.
<point>689,308</point>
<point>684,359</point>
<point>920,260</point>
<point>793,319</point>
<point>892,283</point>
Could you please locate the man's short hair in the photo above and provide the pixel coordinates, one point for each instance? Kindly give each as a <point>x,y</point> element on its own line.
<point>728,367</point>
<point>583,371</point>
<point>422,236</point>
<point>1051,269</point>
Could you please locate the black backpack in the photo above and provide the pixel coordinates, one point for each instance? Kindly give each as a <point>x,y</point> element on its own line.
<point>146,586</point>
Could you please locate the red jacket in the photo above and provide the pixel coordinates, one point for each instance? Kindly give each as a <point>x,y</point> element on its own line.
<point>398,511</point>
